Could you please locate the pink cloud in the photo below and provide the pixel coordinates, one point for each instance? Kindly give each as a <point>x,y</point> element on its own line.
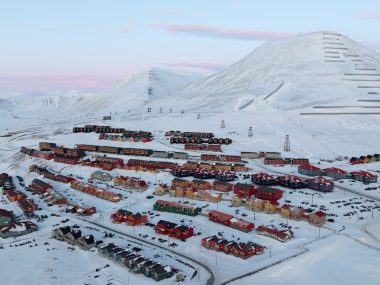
<point>53,83</point>
<point>208,31</point>
<point>374,16</point>
<point>201,65</point>
<point>124,30</point>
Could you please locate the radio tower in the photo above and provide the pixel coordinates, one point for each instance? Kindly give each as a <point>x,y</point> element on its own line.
<point>250,132</point>
<point>287,144</point>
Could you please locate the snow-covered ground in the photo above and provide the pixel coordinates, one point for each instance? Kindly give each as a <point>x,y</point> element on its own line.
<point>297,82</point>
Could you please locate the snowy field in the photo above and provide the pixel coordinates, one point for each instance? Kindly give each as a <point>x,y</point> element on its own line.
<point>224,267</point>
<point>344,251</point>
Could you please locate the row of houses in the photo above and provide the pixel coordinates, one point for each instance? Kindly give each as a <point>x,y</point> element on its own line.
<point>74,237</point>
<point>124,137</point>
<point>216,157</point>
<point>365,159</point>
<point>16,229</point>
<point>286,161</point>
<point>181,232</point>
<point>317,218</point>
<point>199,141</point>
<point>318,183</point>
<point>262,192</point>
<point>237,248</point>
<point>237,167</point>
<point>230,221</point>
<point>135,262</point>
<point>336,173</point>
<point>50,196</point>
<point>196,189</point>
<point>203,147</point>
<point>131,183</point>
<point>105,163</point>
<point>80,209</point>
<point>177,208</point>
<point>128,217</point>
<point>28,206</point>
<point>273,232</point>
<point>202,173</point>
<point>94,191</point>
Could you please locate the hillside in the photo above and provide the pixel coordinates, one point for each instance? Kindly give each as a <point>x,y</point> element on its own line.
<point>302,72</point>
<point>129,93</point>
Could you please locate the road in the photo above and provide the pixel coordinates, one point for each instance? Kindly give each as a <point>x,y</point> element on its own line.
<point>210,280</point>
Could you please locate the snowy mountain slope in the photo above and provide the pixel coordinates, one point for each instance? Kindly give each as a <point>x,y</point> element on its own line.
<point>129,93</point>
<point>304,71</point>
<point>137,90</point>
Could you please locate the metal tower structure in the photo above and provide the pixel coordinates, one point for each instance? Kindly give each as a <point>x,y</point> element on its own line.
<point>287,144</point>
<point>250,132</point>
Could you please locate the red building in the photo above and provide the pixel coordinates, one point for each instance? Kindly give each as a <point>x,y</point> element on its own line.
<point>66,160</point>
<point>354,160</point>
<point>131,219</point>
<point>244,190</point>
<point>299,161</point>
<point>40,186</point>
<point>274,161</point>
<point>230,221</point>
<point>317,218</point>
<point>292,181</point>
<point>321,184</point>
<point>230,158</point>
<point>239,249</point>
<point>268,193</point>
<point>309,170</point>
<point>212,157</point>
<point>364,176</point>
<point>273,232</point>
<point>222,186</point>
<point>182,232</point>
<point>214,147</point>
<point>42,154</point>
<point>335,173</point>
<point>27,206</point>
<point>164,227</point>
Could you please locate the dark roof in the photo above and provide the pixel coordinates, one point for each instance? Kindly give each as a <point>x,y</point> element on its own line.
<point>5,213</point>
<point>159,270</point>
<point>167,224</point>
<point>76,233</point>
<point>65,230</point>
<point>89,239</point>
<point>41,183</point>
<point>182,228</point>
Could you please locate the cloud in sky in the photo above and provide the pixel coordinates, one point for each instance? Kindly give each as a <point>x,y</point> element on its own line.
<point>202,65</point>
<point>214,32</point>
<point>374,16</point>
<point>124,30</point>
<point>52,83</point>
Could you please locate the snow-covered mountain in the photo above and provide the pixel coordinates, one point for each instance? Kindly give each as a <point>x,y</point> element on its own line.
<point>305,72</point>
<point>132,92</point>
<point>137,90</point>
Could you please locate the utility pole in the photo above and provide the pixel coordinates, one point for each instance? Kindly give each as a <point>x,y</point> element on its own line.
<point>287,144</point>
<point>250,132</point>
<point>270,251</point>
